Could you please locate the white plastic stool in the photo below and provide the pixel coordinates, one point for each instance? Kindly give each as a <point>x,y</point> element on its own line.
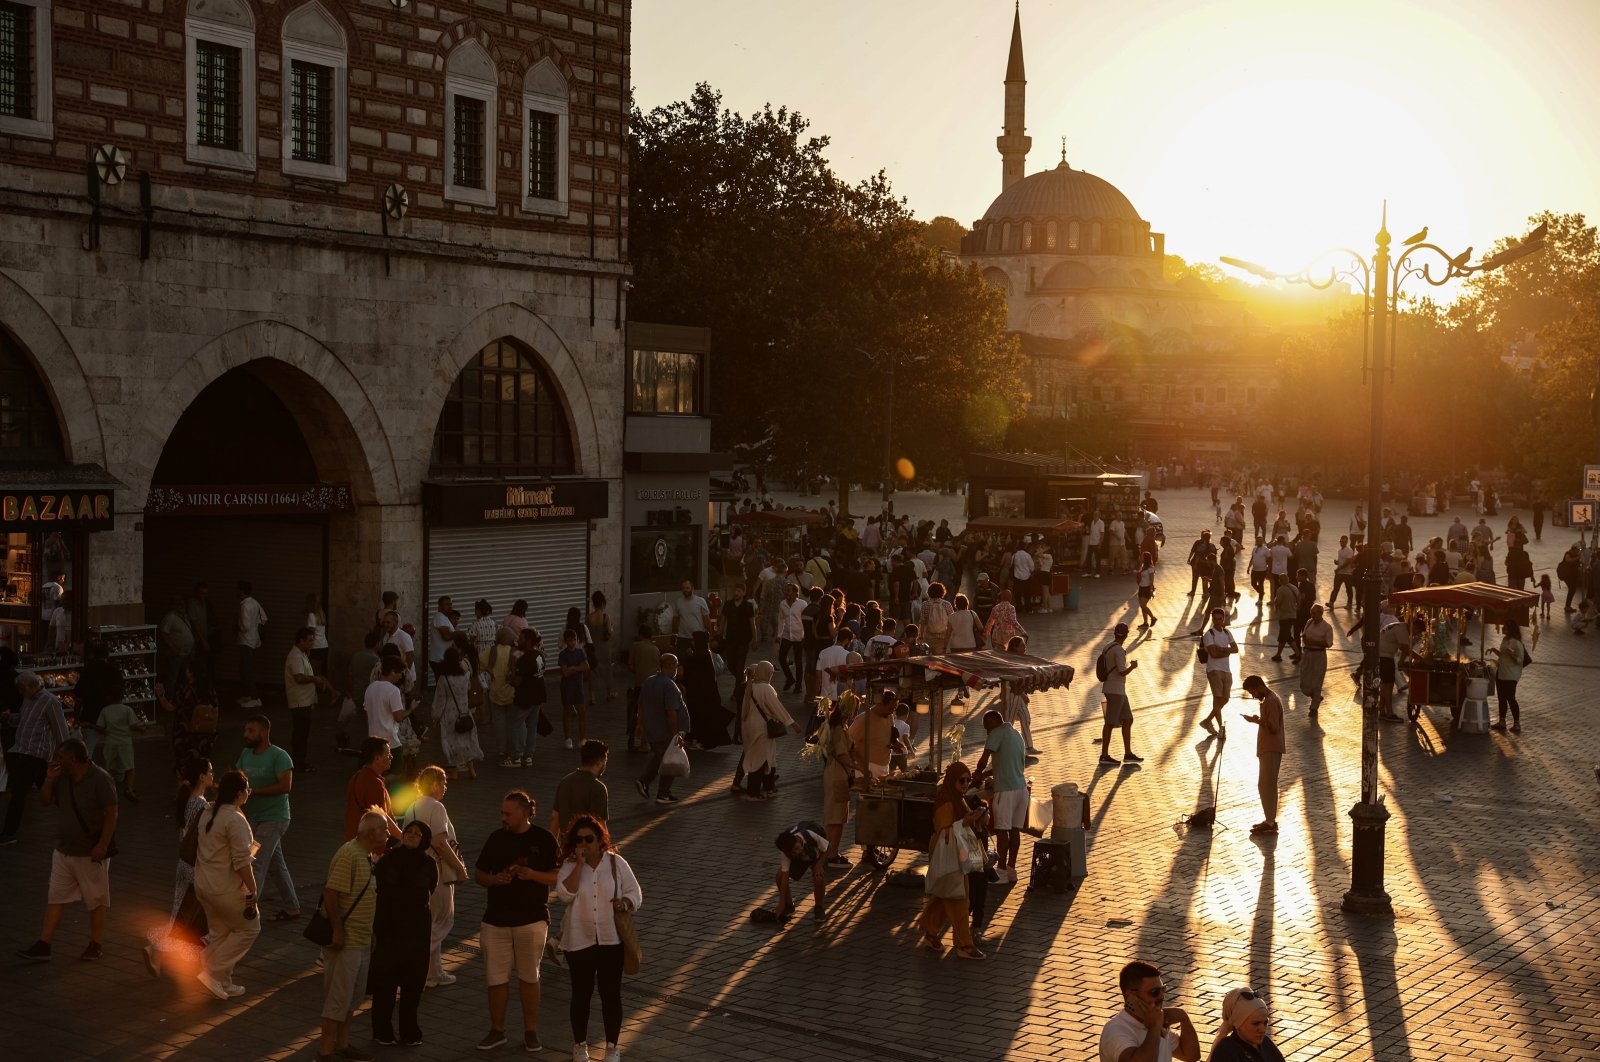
<point>1475,715</point>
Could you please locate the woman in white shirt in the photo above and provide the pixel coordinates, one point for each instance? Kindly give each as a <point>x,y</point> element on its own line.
<point>432,784</point>
<point>317,620</point>
<point>225,884</point>
<point>596,884</point>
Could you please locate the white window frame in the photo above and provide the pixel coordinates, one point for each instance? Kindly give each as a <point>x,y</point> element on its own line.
<point>199,29</point>
<point>558,106</point>
<point>42,125</point>
<point>460,84</point>
<point>299,50</point>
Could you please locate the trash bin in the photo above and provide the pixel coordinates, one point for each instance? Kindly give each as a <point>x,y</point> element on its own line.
<point>1073,598</point>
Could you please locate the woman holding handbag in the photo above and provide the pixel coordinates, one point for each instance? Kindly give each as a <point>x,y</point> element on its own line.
<point>225,882</point>
<point>458,729</point>
<point>597,935</point>
<point>947,879</point>
<point>762,720</point>
<point>195,778</point>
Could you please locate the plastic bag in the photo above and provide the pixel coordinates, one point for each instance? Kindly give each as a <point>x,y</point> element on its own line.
<point>675,762</point>
<point>968,849</point>
<point>945,878</point>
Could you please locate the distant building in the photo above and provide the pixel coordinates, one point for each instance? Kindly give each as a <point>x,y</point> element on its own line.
<point>1105,332</point>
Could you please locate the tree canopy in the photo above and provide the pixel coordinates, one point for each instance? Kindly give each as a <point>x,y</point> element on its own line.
<point>818,293</point>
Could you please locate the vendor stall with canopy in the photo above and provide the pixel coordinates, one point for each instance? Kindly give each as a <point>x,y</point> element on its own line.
<point>1439,667</point>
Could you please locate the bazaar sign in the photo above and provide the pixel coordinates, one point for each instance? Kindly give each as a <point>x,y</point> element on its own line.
<point>250,499</point>
<point>57,510</point>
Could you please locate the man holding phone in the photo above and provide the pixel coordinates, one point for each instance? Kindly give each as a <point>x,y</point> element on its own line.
<point>1269,750</point>
<point>517,865</point>
<point>1145,1030</point>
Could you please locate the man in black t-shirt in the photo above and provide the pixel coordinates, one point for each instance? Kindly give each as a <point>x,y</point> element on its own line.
<point>517,865</point>
<point>528,696</point>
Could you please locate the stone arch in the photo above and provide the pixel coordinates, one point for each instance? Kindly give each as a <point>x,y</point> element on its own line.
<point>531,56</point>
<point>465,30</point>
<point>241,14</point>
<point>313,22</point>
<point>82,435</point>
<point>337,416</point>
<point>997,279</point>
<point>518,322</point>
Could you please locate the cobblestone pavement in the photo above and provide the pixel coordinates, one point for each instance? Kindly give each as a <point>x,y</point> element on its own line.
<point>1492,862</point>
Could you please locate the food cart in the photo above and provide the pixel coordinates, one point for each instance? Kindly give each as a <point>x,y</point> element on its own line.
<point>897,812</point>
<point>1438,671</point>
<point>790,527</point>
<point>1055,532</point>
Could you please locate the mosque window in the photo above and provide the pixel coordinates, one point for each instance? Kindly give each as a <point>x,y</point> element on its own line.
<point>992,240</point>
<point>1050,235</point>
<point>1027,235</point>
<point>1113,239</point>
<point>1072,235</point>
<point>1094,236</point>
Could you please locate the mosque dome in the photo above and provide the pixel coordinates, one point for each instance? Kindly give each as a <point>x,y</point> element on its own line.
<point>1062,192</point>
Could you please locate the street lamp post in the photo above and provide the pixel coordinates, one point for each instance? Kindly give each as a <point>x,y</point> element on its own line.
<point>1380,283</point>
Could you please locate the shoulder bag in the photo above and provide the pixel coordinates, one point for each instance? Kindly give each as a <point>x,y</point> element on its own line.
<point>319,930</point>
<point>464,721</point>
<point>631,955</point>
<point>775,729</point>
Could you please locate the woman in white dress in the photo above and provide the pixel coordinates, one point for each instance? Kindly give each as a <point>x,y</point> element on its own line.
<point>458,729</point>
<point>432,784</point>
<point>760,705</point>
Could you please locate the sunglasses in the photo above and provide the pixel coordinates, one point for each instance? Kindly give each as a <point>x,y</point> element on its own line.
<point>586,838</point>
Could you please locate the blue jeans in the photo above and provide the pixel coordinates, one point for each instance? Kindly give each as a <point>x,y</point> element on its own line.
<point>270,864</point>
<point>519,731</point>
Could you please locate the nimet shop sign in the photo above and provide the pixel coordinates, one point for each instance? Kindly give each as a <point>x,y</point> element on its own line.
<point>38,510</point>
<point>472,504</point>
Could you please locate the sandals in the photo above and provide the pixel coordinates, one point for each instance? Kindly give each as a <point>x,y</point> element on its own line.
<point>969,952</point>
<point>927,943</point>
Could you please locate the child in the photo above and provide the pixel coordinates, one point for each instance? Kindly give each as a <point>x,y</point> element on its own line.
<point>574,664</point>
<point>1547,596</point>
<point>117,722</point>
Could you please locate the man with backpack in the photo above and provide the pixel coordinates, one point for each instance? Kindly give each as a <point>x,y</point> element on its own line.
<point>1111,668</point>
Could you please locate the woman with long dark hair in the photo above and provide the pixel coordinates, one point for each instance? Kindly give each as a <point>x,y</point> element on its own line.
<point>599,647</point>
<point>596,883</point>
<point>225,884</point>
<point>458,729</point>
<point>406,876</point>
<point>194,778</point>
<point>1511,658</point>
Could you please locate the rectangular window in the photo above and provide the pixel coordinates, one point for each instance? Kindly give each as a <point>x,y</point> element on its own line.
<point>544,130</point>
<point>1250,395</point>
<point>1200,395</point>
<point>16,60</point>
<point>1116,394</point>
<point>661,558</point>
<point>1219,395</point>
<point>469,139</point>
<point>311,118</point>
<point>216,96</point>
<point>665,381</point>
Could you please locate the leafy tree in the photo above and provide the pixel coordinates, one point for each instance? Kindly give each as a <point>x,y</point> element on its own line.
<point>944,234</point>
<point>818,294</point>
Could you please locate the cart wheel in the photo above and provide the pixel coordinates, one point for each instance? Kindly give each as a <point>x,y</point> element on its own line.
<point>882,858</point>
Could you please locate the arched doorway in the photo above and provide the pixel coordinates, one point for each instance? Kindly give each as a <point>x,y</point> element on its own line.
<point>257,482</point>
<point>507,518</point>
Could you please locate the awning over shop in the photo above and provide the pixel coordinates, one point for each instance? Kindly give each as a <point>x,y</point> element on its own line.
<point>779,517</point>
<point>980,668</point>
<point>1489,596</point>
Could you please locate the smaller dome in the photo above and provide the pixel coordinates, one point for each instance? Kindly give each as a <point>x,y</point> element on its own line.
<point>1062,193</point>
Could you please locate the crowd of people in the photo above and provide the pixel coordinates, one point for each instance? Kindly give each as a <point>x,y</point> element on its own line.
<point>806,609</point>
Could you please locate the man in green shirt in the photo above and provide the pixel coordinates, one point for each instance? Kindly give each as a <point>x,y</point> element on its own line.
<point>271,773</point>
<point>1010,806</point>
<point>349,900</point>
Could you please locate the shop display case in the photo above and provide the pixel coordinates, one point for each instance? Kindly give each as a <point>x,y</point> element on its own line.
<point>132,650</point>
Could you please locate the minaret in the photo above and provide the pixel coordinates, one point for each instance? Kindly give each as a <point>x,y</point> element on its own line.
<point>1013,144</point>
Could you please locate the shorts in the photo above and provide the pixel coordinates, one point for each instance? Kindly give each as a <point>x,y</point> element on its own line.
<point>79,878</point>
<point>1146,593</point>
<point>118,757</point>
<point>512,949</point>
<point>1010,809</point>
<point>344,981</point>
<point>1385,668</point>
<point>1221,683</point>
<point>835,796</point>
<point>1117,709</point>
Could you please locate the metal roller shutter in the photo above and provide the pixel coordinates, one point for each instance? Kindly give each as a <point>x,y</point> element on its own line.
<point>547,566</point>
<point>282,559</point>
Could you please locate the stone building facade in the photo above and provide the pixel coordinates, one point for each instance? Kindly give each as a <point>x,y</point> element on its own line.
<point>368,245</point>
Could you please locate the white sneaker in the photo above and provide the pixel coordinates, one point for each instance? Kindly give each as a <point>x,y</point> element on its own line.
<point>580,1053</point>
<point>234,991</point>
<point>613,1053</point>
<point>445,978</point>
<point>569,743</point>
<point>213,986</point>
<point>1011,874</point>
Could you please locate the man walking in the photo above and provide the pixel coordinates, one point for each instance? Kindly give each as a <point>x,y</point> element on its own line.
<point>690,613</point>
<point>582,792</point>
<point>663,720</point>
<point>300,686</point>
<point>1343,574</point>
<point>41,728</point>
<point>1114,665</point>
<point>1095,536</point>
<point>517,866</point>
<point>350,901</point>
<point>271,774</point>
<point>1010,807</point>
<point>80,866</point>
<point>791,637</point>
<point>1218,645</point>
<point>1202,561</point>
<point>177,641</point>
<point>1269,750</point>
<point>252,617</point>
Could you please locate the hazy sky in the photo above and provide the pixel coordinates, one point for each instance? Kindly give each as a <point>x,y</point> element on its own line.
<point>1266,129</point>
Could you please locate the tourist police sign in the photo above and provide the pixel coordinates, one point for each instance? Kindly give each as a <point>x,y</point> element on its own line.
<point>57,510</point>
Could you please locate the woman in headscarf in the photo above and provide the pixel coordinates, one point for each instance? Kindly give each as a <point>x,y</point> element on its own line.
<point>947,893</point>
<point>708,719</point>
<point>760,705</point>
<point>1003,623</point>
<point>1243,1035</point>
<point>401,926</point>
